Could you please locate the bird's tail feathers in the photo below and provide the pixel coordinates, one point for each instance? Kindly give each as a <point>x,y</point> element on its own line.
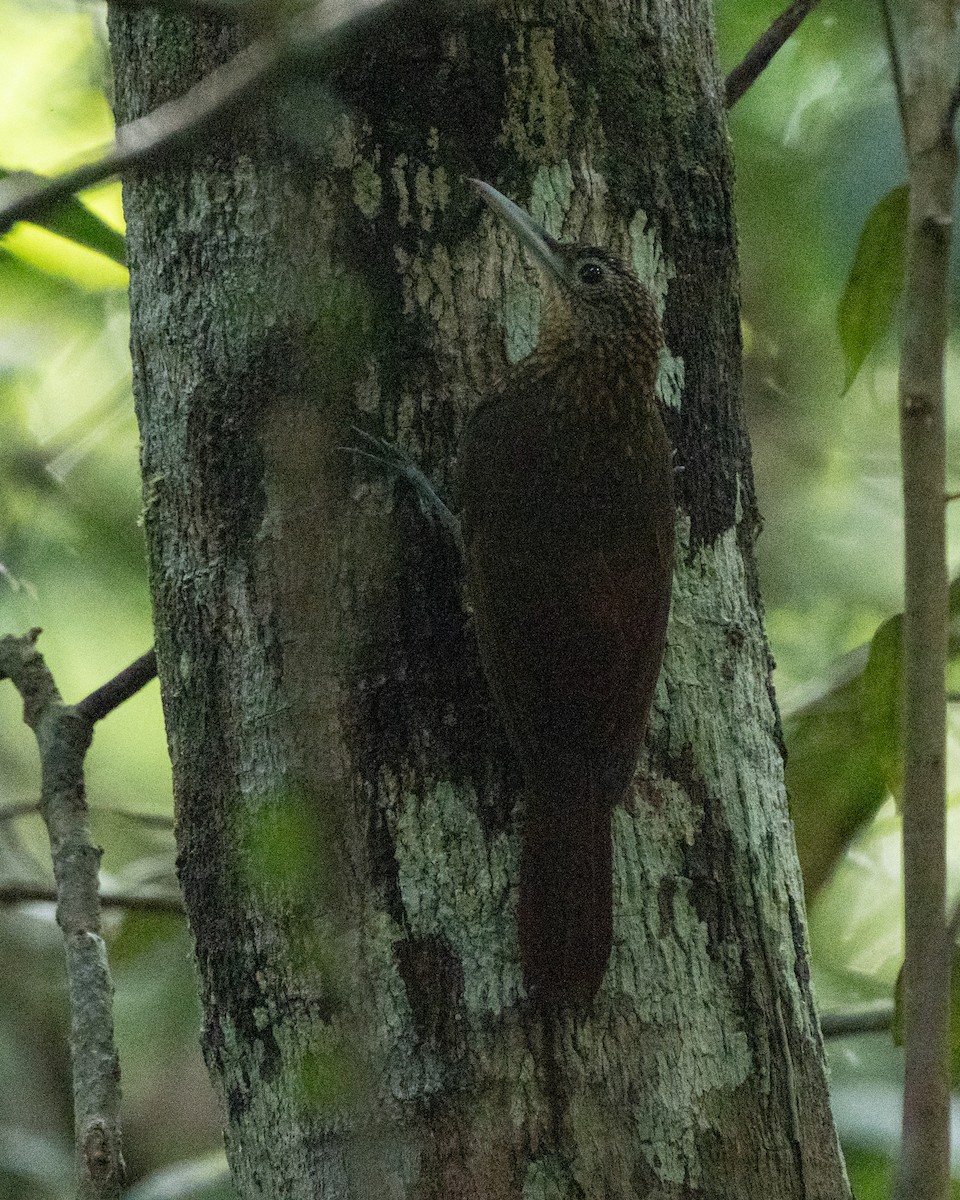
<point>566,879</point>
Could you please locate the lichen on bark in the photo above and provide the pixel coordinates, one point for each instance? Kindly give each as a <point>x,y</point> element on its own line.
<point>365,1021</point>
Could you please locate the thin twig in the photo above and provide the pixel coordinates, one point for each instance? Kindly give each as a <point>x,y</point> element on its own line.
<point>924,1166</point>
<point>758,57</point>
<point>896,65</point>
<point>151,820</point>
<point>173,124</point>
<point>63,736</point>
<point>875,1019</point>
<point>13,812</point>
<point>37,893</point>
<point>185,120</point>
<point>124,685</point>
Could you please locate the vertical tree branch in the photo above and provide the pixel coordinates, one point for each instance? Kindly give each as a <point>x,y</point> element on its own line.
<point>924,1167</point>
<point>63,736</point>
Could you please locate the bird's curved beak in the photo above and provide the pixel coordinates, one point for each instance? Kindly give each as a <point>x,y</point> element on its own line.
<point>544,248</point>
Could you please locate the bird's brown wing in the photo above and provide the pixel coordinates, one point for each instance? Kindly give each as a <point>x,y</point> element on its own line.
<point>569,577</point>
<point>570,592</point>
<point>571,643</point>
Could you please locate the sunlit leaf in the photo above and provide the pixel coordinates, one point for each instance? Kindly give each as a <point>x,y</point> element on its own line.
<point>873,286</point>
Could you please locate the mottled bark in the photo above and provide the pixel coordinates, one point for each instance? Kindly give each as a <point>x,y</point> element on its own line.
<point>63,734</point>
<point>347,807</point>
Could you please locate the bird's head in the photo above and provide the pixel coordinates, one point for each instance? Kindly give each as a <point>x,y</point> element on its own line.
<point>591,293</point>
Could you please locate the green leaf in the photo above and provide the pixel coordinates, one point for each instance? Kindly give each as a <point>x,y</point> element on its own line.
<point>836,759</point>
<point>866,307</point>
<point>73,220</point>
<point>844,747</point>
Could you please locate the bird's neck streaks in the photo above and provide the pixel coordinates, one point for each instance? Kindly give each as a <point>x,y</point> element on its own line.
<point>589,383</point>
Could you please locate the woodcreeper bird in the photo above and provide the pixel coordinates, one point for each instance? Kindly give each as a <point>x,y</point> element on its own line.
<point>565,489</point>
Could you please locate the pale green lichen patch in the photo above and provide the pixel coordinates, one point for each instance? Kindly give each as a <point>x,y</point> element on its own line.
<point>455,884</point>
<point>399,177</point>
<point>715,662</point>
<point>670,379</point>
<point>422,191</point>
<point>367,189</point>
<point>428,286</point>
<point>522,303</point>
<point>702,1052</point>
<point>344,153</point>
<point>647,258</point>
<point>716,657</point>
<point>431,189</point>
<point>716,654</point>
<point>650,263</point>
<point>550,196</point>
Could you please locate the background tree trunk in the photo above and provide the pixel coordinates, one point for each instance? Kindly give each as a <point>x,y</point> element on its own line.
<point>347,807</point>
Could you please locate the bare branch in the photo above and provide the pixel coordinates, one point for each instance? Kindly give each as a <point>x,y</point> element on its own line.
<point>182,122</point>
<point>63,737</point>
<point>878,1018</point>
<point>13,812</point>
<point>758,57</point>
<point>124,685</point>
<point>151,820</point>
<point>896,66</point>
<point>37,893</point>
<point>924,1165</point>
<point>172,125</point>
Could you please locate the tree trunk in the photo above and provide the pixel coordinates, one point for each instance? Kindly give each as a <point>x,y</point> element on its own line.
<point>347,807</point>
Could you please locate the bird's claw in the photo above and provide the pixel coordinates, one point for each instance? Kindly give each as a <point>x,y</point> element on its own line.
<point>389,454</point>
<point>396,460</point>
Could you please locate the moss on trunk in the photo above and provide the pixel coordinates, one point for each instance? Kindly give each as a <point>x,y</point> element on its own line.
<point>346,803</point>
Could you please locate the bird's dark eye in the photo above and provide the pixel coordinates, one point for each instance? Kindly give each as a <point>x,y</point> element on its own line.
<point>591,272</point>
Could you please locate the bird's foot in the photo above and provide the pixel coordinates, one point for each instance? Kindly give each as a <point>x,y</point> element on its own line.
<point>396,461</point>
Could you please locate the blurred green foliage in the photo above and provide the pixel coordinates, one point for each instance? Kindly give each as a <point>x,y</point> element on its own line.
<point>820,173</point>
